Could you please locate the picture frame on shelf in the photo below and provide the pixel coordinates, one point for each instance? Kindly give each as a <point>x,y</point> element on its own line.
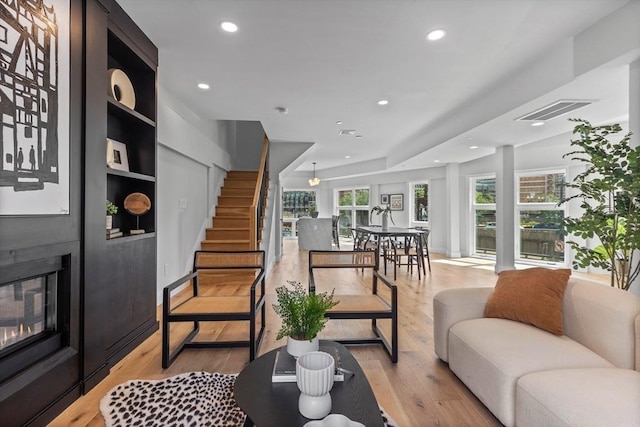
<point>117,155</point>
<point>396,202</point>
<point>384,199</point>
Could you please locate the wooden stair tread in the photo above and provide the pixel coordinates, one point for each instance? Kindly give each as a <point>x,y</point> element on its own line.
<point>227,241</point>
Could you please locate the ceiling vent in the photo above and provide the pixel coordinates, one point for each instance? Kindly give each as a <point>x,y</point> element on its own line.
<point>347,132</point>
<point>554,110</point>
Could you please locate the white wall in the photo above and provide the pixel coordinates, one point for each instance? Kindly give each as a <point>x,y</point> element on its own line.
<point>193,157</point>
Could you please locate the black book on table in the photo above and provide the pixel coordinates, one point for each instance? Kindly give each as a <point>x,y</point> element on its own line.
<point>284,367</point>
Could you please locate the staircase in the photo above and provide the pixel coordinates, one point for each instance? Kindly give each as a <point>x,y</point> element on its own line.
<point>232,223</point>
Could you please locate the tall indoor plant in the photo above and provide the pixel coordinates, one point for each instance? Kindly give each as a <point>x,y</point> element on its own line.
<point>609,194</point>
<point>303,316</point>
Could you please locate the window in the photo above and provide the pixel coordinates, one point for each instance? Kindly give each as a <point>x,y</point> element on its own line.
<point>294,205</point>
<point>540,235</point>
<point>484,213</point>
<point>353,208</point>
<point>420,201</point>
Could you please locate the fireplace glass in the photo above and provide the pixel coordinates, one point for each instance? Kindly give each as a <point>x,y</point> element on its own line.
<point>28,311</point>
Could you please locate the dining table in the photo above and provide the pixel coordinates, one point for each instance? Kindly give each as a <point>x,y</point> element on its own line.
<point>380,233</point>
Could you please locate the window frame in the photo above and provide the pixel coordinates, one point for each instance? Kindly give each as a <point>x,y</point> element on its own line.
<point>412,201</point>
<point>353,207</point>
<point>536,206</point>
<point>478,207</point>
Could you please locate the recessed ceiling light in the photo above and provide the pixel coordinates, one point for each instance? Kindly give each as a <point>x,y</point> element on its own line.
<point>383,102</point>
<point>339,122</point>
<point>436,34</point>
<point>358,136</point>
<point>203,86</point>
<point>473,147</point>
<point>229,26</point>
<point>436,161</point>
<point>537,124</point>
<point>347,157</point>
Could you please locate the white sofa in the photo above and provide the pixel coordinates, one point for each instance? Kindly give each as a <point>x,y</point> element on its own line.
<point>529,377</point>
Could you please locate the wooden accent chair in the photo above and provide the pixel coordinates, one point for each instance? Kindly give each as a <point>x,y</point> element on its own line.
<point>367,304</point>
<point>235,283</point>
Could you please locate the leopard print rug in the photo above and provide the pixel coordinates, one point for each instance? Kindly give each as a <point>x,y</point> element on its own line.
<point>191,399</point>
<point>194,399</point>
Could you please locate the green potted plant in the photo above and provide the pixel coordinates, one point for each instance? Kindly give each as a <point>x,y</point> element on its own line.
<point>386,215</point>
<point>313,210</point>
<point>303,316</point>
<point>112,209</point>
<point>609,195</point>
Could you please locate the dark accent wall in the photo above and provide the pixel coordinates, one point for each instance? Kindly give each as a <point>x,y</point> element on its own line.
<point>102,271</point>
<point>45,389</point>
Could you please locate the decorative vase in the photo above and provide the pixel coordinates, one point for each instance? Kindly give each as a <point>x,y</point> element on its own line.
<point>297,348</point>
<point>314,214</point>
<point>314,375</point>
<point>385,221</point>
<point>109,222</point>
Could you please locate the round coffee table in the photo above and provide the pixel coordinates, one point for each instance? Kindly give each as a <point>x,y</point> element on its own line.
<point>270,404</point>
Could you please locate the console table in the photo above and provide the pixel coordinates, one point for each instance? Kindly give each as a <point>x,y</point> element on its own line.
<point>276,404</point>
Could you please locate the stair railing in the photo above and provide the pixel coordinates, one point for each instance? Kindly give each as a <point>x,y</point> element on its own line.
<point>258,205</point>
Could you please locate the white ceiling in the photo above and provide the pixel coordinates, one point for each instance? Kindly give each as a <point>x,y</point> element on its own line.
<point>329,60</point>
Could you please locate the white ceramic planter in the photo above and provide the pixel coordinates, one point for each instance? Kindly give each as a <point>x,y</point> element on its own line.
<point>297,348</point>
<point>109,222</point>
<point>314,375</point>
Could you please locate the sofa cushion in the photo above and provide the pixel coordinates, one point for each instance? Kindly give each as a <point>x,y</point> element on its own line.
<point>489,355</point>
<point>532,296</point>
<point>603,318</point>
<point>579,397</point>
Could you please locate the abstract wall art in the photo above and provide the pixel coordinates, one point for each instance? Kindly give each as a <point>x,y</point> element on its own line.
<point>34,104</point>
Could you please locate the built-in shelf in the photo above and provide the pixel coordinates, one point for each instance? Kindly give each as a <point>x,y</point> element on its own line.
<point>131,238</point>
<point>132,175</point>
<point>123,111</point>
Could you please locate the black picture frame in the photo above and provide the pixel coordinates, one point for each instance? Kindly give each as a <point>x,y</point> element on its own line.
<point>396,202</point>
<point>384,199</point>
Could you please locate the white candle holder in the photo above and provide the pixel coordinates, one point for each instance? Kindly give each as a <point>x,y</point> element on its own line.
<point>314,375</point>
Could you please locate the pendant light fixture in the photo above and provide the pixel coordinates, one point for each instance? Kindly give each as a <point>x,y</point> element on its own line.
<point>314,181</point>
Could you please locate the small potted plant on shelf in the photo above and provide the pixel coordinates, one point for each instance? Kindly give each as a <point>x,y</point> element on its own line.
<point>303,316</point>
<point>313,210</point>
<point>386,214</point>
<point>112,209</point>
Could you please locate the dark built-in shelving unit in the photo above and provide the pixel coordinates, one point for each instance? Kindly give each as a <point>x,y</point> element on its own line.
<point>119,273</point>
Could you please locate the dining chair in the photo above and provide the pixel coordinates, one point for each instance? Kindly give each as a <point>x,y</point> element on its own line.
<point>425,244</point>
<point>400,248</point>
<point>335,219</point>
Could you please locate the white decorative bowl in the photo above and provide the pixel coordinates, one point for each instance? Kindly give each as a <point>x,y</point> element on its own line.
<point>334,420</point>
<point>120,88</point>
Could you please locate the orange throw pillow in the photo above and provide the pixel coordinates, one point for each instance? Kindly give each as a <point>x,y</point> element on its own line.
<point>532,296</point>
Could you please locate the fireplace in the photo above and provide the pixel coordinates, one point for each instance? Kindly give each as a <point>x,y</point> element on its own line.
<point>35,338</point>
<point>30,315</point>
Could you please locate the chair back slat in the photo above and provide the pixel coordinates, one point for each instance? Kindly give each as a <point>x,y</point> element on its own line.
<point>228,260</point>
<point>342,259</point>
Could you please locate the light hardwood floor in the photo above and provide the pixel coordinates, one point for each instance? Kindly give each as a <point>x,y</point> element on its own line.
<point>418,391</point>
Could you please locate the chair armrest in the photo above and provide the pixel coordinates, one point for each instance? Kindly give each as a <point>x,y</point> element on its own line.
<point>312,282</point>
<point>451,306</point>
<point>258,280</point>
<point>385,281</point>
<point>166,291</point>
